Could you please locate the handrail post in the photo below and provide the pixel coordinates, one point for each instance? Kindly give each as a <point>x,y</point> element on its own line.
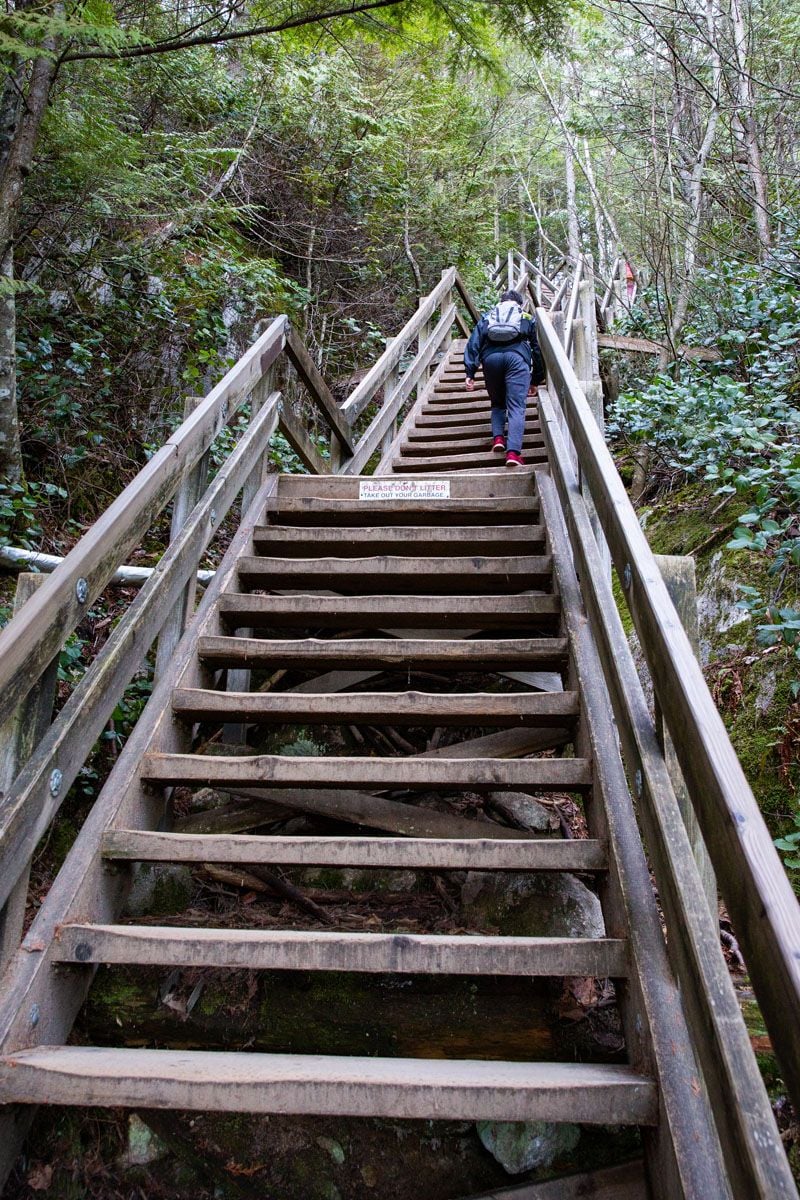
<point>18,739</point>
<point>389,389</point>
<point>678,573</point>
<point>422,342</point>
<point>189,492</point>
<point>447,300</point>
<point>258,397</point>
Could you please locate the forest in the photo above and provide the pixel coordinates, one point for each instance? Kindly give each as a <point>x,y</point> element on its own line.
<point>172,177</point>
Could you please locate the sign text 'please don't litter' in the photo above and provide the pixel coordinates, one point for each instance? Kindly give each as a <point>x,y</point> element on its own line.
<point>404,489</point>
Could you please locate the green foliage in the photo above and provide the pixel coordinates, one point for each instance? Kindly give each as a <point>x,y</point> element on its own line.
<point>735,424</point>
<point>790,845</point>
<point>21,508</point>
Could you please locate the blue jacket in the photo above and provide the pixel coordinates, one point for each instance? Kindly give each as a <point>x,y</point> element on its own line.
<point>527,344</point>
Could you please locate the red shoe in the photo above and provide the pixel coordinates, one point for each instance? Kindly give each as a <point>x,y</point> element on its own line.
<point>514,460</point>
<point>499,445</point>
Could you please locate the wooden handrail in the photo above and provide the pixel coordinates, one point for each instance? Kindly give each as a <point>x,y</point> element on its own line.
<point>309,373</point>
<point>37,633</point>
<point>752,880</point>
<point>361,396</point>
<point>747,1129</point>
<point>466,296</point>
<point>32,802</point>
<point>390,411</point>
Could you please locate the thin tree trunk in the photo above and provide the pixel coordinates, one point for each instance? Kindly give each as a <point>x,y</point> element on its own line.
<point>20,117</point>
<point>746,105</point>
<point>694,192</point>
<point>602,256</point>
<point>412,262</point>
<point>573,228</point>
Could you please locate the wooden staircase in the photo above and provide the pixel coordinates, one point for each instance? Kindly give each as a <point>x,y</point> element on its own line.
<point>346,601</point>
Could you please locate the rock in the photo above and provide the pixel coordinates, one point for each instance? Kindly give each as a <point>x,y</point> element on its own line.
<point>143,1147</point>
<point>522,1146</point>
<point>523,811</point>
<point>524,905</point>
<point>333,1148</point>
<point>160,888</point>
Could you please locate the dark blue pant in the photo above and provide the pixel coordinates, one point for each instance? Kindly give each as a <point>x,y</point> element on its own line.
<point>508,378</point>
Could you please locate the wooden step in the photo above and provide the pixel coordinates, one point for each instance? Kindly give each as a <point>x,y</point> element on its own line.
<point>448,446</point>
<point>388,573</point>
<point>447,774</point>
<point>462,433</point>
<point>473,419</point>
<point>345,487</point>
<point>305,510</point>
<point>226,1081</point>
<point>454,461</point>
<point>430,541</point>
<point>455,654</point>
<point>384,853</point>
<point>245,610</point>
<point>372,953</point>
<point>417,709</point>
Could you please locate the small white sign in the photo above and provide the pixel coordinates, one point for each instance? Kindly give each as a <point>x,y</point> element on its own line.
<point>404,489</point>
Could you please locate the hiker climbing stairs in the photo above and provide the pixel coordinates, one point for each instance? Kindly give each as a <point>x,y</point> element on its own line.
<point>452,430</point>
<point>443,601</point>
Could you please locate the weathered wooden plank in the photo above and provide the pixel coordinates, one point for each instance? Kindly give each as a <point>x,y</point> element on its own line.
<point>453,654</point>
<point>302,511</point>
<point>240,609</point>
<point>624,1182</point>
<point>460,446</point>
<point>27,810</point>
<point>460,462</point>
<point>375,812</point>
<point>394,574</point>
<point>380,708</point>
<point>227,1081</point>
<point>355,542</point>
<point>508,743</point>
<point>28,643</point>
<point>615,341</point>
<point>295,950</point>
<point>751,877</point>
<point>343,487</point>
<point>420,854</point>
<point>683,1155</point>
<point>301,443</point>
<point>477,775</point>
<point>740,1104</point>
<point>308,371</point>
<point>466,296</point>
<point>360,397</point>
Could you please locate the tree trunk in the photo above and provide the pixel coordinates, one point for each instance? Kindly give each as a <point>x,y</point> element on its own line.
<point>573,229</point>
<point>20,117</point>
<point>746,106</point>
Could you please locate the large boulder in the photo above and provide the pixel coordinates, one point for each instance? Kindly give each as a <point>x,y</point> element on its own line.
<point>526,1145</point>
<point>523,904</point>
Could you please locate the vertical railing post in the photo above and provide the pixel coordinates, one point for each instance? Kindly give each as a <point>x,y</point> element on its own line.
<point>510,270</point>
<point>422,341</point>
<point>190,489</point>
<point>678,573</point>
<point>447,300</point>
<point>258,397</point>
<point>389,388</point>
<point>19,737</point>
